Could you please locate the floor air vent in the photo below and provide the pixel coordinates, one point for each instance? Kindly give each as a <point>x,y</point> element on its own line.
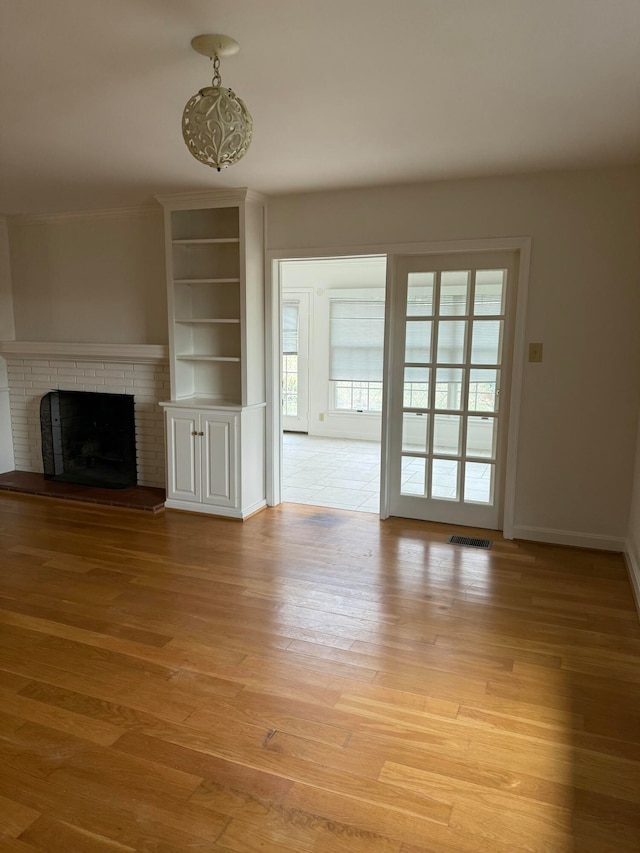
<point>470,542</point>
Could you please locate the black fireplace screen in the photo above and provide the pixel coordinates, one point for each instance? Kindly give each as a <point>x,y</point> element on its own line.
<point>89,438</point>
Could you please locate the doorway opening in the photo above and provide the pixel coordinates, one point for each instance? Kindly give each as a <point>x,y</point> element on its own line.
<point>332,359</point>
<point>481,380</point>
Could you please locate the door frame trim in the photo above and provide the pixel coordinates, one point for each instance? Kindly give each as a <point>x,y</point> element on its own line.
<point>520,245</point>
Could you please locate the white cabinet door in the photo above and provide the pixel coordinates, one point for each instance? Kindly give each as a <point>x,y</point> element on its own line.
<point>183,455</point>
<point>219,459</point>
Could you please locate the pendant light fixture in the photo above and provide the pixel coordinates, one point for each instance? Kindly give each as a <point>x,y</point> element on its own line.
<point>216,125</point>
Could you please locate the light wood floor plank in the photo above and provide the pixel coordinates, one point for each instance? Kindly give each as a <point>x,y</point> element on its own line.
<point>309,680</point>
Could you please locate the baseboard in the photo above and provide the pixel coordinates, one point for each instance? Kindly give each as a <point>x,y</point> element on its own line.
<point>633,567</point>
<point>349,435</point>
<point>569,537</point>
<point>220,511</point>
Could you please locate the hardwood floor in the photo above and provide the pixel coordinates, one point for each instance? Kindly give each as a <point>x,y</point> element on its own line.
<point>309,680</point>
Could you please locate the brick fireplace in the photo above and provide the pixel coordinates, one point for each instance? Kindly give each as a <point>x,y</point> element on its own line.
<point>34,369</point>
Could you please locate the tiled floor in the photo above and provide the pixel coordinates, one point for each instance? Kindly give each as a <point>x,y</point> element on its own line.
<point>345,474</point>
<point>333,472</point>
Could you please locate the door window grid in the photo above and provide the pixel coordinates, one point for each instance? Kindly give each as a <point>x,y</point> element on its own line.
<point>290,339</point>
<point>482,395</point>
<point>290,384</point>
<point>477,394</point>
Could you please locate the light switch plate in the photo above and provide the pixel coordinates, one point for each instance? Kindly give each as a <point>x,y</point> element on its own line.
<point>535,352</point>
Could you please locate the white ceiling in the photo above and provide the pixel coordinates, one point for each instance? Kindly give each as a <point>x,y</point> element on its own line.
<point>342,92</point>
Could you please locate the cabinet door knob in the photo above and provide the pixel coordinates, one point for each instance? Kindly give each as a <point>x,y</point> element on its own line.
<point>200,433</point>
<point>193,433</point>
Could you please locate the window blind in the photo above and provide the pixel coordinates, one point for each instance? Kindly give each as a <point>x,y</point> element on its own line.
<point>290,322</point>
<point>356,340</point>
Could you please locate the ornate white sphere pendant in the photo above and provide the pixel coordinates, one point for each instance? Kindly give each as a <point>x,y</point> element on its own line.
<point>216,125</point>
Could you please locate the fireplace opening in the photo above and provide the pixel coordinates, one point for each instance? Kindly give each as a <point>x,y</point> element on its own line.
<point>89,438</point>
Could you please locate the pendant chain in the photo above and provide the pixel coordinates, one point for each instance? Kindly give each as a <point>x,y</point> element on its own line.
<point>217,79</point>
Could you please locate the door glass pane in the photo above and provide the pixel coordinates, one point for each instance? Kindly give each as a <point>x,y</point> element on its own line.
<point>444,479</point>
<point>454,293</point>
<point>290,385</point>
<point>483,387</point>
<point>420,294</point>
<point>416,387</point>
<point>415,432</point>
<point>418,343</point>
<point>290,327</point>
<point>489,296</point>
<point>481,437</point>
<point>451,335</point>
<point>478,482</point>
<point>448,388</point>
<point>486,342</point>
<point>413,479</point>
<point>446,435</point>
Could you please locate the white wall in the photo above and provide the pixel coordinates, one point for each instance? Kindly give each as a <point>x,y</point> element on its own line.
<point>97,278</point>
<point>6,334</point>
<point>93,278</point>
<point>578,416</point>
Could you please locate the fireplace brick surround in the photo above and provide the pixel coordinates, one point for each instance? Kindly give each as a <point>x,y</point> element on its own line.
<point>30,378</point>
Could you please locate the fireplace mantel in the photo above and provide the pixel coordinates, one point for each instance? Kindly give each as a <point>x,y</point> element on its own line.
<point>138,353</point>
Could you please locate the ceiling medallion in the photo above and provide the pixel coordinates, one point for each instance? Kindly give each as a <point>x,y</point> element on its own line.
<point>216,125</point>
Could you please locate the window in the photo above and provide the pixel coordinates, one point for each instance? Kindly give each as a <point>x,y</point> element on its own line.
<point>290,323</point>
<point>357,396</point>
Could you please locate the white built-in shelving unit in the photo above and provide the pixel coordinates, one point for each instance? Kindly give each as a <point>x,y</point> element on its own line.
<point>215,418</point>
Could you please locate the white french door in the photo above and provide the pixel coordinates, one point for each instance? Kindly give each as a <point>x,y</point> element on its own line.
<point>295,360</point>
<point>451,352</point>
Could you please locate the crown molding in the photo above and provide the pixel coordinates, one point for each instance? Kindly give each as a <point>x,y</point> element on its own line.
<point>206,198</point>
<point>138,353</point>
<point>106,213</point>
